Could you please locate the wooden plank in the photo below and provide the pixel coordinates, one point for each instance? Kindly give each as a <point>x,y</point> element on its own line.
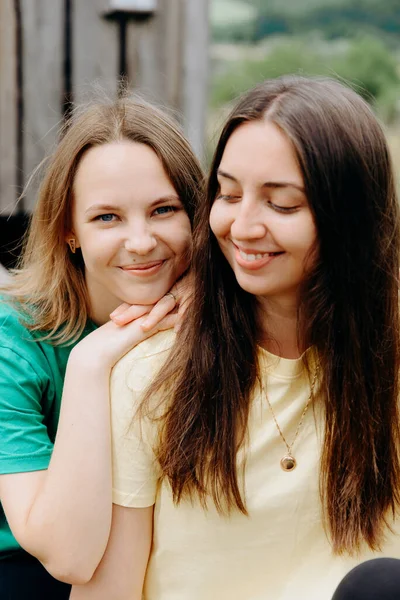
<point>95,50</point>
<point>195,72</point>
<point>43,30</point>
<point>173,51</point>
<point>8,109</point>
<point>154,54</point>
<point>142,60</point>
<point>168,62</point>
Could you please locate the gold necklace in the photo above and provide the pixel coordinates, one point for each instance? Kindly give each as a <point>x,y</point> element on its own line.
<point>288,462</point>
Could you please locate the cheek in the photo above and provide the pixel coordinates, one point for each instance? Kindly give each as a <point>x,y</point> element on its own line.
<point>298,236</point>
<point>98,248</point>
<point>184,245</point>
<point>308,237</point>
<point>181,236</point>
<point>218,220</point>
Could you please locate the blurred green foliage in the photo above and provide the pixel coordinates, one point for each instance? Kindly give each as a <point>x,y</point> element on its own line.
<point>366,61</point>
<point>292,57</point>
<point>332,18</point>
<point>370,65</point>
<point>233,21</point>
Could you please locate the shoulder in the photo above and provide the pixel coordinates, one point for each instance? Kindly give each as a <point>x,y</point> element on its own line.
<point>22,347</point>
<point>140,365</point>
<point>21,360</point>
<point>135,434</point>
<point>9,312</point>
<point>133,374</point>
<point>14,334</point>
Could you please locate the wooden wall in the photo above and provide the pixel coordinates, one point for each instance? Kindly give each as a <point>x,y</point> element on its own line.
<point>52,51</point>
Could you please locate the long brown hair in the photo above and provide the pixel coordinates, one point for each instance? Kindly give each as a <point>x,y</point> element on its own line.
<point>49,283</point>
<point>349,312</point>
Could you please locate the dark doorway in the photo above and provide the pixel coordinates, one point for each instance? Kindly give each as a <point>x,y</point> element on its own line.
<point>12,230</point>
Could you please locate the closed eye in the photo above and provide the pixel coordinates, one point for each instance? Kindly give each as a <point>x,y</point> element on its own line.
<point>227,197</point>
<point>283,209</point>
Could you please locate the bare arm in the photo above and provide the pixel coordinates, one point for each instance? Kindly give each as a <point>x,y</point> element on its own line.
<point>62,515</point>
<point>121,573</point>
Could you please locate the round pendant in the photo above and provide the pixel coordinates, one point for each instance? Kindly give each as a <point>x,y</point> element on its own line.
<point>288,463</point>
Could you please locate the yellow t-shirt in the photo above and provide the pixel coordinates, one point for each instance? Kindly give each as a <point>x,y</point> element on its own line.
<point>279,551</point>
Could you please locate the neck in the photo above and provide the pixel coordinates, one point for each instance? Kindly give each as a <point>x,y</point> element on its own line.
<point>101,303</point>
<point>278,321</point>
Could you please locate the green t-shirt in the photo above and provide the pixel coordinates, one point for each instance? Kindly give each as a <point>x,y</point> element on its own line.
<point>31,383</point>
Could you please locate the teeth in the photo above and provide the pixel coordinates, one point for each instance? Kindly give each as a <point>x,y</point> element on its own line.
<point>250,257</point>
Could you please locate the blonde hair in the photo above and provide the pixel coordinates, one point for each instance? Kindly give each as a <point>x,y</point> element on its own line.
<point>49,284</point>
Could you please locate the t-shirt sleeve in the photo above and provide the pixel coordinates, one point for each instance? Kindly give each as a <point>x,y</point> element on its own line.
<point>24,441</point>
<point>136,472</point>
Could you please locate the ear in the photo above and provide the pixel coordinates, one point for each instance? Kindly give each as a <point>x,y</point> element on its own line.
<point>72,241</point>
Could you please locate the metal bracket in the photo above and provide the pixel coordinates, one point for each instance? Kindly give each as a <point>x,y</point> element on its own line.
<point>135,10</point>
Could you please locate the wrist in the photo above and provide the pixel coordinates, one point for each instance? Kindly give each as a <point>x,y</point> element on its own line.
<point>82,359</point>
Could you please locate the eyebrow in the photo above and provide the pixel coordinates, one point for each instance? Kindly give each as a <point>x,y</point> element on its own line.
<point>269,184</point>
<point>112,207</point>
<point>95,207</point>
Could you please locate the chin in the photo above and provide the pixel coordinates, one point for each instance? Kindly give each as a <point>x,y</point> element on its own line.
<point>258,290</point>
<point>145,299</point>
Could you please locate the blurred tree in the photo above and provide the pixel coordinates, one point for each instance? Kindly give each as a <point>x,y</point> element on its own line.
<point>365,63</point>
<point>293,57</point>
<point>332,18</point>
<point>368,65</point>
<point>233,20</point>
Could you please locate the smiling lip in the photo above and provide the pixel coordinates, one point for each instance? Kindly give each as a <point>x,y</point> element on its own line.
<point>254,264</point>
<point>145,269</point>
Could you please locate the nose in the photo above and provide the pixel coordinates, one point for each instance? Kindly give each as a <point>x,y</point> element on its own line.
<point>248,223</point>
<point>140,239</point>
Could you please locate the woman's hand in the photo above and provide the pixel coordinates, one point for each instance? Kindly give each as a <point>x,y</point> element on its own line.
<point>175,300</point>
<point>102,348</point>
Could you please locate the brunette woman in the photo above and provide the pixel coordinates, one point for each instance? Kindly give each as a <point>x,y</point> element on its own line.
<point>263,462</point>
<point>112,225</point>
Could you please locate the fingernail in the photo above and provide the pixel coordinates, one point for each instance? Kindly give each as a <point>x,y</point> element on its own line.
<point>116,317</point>
<point>145,324</point>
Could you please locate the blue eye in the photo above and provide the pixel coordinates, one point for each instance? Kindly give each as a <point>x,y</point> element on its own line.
<point>105,218</point>
<point>163,210</point>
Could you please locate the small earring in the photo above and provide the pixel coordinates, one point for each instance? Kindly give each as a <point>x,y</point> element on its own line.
<point>72,244</point>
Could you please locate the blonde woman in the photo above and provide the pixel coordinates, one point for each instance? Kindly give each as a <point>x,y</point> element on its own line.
<point>112,225</point>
